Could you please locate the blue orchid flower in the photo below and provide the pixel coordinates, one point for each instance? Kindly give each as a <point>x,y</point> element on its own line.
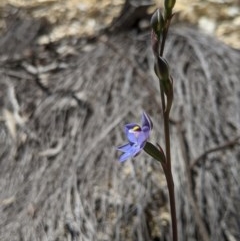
<point>137,136</point>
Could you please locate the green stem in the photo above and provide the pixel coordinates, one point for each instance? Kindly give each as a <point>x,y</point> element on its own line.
<point>168,174</point>
<point>170,184</point>
<point>167,138</point>
<point>167,167</point>
<point>165,32</point>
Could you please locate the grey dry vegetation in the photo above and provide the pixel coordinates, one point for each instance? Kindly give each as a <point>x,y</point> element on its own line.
<point>59,175</point>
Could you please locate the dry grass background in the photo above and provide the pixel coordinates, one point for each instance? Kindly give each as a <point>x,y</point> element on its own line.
<point>63,105</point>
<point>220,18</point>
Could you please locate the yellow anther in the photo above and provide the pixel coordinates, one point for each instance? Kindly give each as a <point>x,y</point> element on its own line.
<point>136,128</point>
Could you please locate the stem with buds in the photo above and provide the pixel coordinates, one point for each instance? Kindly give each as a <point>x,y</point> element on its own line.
<point>160,26</point>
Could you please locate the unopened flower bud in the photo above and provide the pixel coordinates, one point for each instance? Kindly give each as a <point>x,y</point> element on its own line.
<point>162,71</point>
<point>157,23</point>
<point>161,68</point>
<point>169,4</point>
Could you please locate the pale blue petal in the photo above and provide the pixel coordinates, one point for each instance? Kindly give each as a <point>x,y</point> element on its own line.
<point>132,137</point>
<point>146,132</point>
<point>137,139</point>
<point>146,121</point>
<point>136,151</point>
<point>133,151</point>
<point>125,156</point>
<point>142,138</point>
<point>124,148</point>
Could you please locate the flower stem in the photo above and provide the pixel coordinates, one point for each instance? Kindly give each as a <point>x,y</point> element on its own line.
<point>165,32</point>
<point>167,166</point>
<point>168,169</point>
<point>168,174</point>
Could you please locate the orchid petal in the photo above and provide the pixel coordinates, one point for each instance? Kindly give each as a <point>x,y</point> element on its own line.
<point>146,121</point>
<point>146,131</point>
<point>137,137</point>
<point>136,150</point>
<point>141,139</point>
<point>124,148</point>
<point>125,156</point>
<point>131,137</point>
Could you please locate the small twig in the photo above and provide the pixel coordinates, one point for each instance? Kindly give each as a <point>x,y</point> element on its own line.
<point>228,144</point>
<point>15,74</point>
<point>51,152</point>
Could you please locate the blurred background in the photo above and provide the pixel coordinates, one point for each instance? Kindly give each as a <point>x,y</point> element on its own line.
<point>220,18</point>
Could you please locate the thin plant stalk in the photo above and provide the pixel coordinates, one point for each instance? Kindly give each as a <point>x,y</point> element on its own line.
<point>167,166</point>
